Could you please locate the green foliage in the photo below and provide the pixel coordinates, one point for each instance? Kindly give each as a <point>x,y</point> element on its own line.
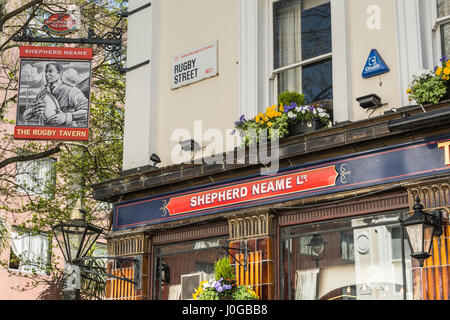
<point>271,125</point>
<point>244,293</point>
<point>78,164</point>
<point>427,88</point>
<point>223,269</point>
<point>224,285</point>
<point>288,97</point>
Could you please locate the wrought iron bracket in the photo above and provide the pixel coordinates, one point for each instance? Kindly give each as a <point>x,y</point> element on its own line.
<point>243,248</point>
<point>129,13</point>
<point>111,41</point>
<point>137,260</point>
<point>125,70</point>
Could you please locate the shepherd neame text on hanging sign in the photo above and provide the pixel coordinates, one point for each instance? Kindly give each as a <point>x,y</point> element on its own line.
<point>194,65</point>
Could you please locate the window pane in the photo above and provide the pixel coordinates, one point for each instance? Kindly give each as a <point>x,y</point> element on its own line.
<point>302,30</point>
<point>316,31</point>
<point>180,267</point>
<point>445,39</point>
<point>361,260</point>
<point>443,8</point>
<point>28,253</point>
<point>287,28</point>
<point>317,81</point>
<point>35,176</point>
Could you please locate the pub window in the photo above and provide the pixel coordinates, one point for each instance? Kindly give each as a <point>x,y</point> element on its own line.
<point>362,259</point>
<point>36,177</point>
<point>29,252</point>
<point>302,54</point>
<point>442,26</point>
<point>180,267</point>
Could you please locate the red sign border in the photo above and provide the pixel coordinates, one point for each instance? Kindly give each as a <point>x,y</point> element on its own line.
<point>64,53</point>
<point>63,31</point>
<point>58,131</point>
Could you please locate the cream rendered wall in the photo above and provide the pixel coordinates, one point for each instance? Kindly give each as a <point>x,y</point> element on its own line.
<point>214,101</point>
<point>362,40</point>
<point>153,110</point>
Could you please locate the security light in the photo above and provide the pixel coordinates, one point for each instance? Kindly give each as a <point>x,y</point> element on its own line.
<point>369,101</point>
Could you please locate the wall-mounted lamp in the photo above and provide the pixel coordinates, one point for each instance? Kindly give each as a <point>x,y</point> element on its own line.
<point>317,245</point>
<point>369,101</point>
<point>155,159</point>
<point>190,145</point>
<point>165,273</point>
<point>420,229</point>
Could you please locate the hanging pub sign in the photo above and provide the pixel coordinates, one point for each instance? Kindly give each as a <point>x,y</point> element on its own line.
<point>60,24</point>
<point>54,89</point>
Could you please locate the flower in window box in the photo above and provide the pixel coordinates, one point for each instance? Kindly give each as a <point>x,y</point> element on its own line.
<point>428,87</point>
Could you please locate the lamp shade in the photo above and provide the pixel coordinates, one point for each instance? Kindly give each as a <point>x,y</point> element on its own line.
<point>317,244</point>
<point>420,230</point>
<point>76,236</point>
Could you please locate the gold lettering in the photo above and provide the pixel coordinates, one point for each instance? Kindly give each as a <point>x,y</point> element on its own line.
<point>446,146</point>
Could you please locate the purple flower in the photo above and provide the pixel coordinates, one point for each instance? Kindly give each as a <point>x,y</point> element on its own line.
<point>444,58</point>
<point>227,286</point>
<point>240,121</point>
<point>288,108</point>
<point>218,286</point>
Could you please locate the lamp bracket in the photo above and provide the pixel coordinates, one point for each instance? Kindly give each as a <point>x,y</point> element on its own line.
<point>129,13</point>
<point>242,248</point>
<point>101,271</point>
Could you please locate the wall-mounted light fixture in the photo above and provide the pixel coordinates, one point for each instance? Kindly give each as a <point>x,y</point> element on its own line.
<point>155,159</point>
<point>317,245</point>
<point>420,229</point>
<point>369,101</point>
<point>189,145</point>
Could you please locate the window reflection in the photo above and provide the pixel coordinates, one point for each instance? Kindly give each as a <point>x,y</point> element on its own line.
<point>180,267</point>
<point>362,260</point>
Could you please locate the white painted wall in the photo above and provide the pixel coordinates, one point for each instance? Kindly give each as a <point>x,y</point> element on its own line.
<point>154,110</point>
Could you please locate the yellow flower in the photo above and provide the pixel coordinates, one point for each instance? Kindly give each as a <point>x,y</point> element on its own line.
<point>269,124</point>
<point>438,71</point>
<point>257,119</point>
<point>447,63</point>
<point>281,108</point>
<point>409,90</point>
<point>446,71</point>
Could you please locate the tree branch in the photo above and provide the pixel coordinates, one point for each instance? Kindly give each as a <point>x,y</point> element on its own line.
<point>34,156</point>
<point>14,13</point>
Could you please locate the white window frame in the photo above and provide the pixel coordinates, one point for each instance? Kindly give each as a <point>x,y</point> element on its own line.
<point>275,72</point>
<point>257,89</point>
<point>436,30</point>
